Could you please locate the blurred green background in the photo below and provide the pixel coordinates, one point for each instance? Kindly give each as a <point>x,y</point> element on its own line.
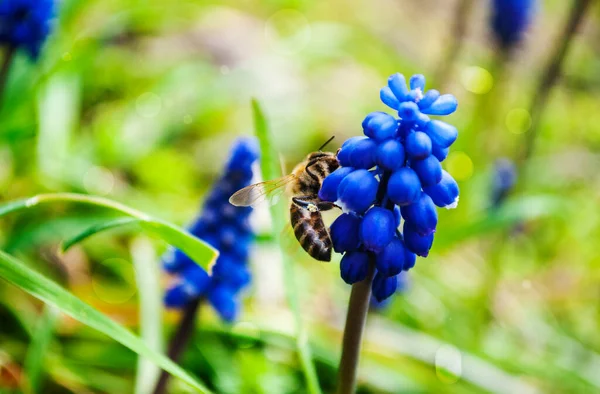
<point>139,100</point>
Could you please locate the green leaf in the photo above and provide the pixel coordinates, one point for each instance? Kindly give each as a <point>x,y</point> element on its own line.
<point>151,312</point>
<point>99,227</point>
<point>199,251</point>
<point>17,273</point>
<point>269,167</point>
<point>40,342</point>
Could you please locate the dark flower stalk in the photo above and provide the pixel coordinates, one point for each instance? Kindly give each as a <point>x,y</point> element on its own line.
<point>460,20</point>
<point>390,177</point>
<point>226,228</point>
<point>551,75</point>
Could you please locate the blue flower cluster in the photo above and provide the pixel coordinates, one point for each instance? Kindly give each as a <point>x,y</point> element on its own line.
<point>226,228</point>
<point>403,283</point>
<point>510,20</point>
<point>390,174</point>
<point>25,24</point>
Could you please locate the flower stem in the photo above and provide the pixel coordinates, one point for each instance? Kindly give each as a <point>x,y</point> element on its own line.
<point>356,318</point>
<point>551,74</point>
<point>9,54</point>
<point>179,341</point>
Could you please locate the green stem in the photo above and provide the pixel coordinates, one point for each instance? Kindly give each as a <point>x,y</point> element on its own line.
<point>179,341</point>
<point>356,318</point>
<point>9,54</point>
<point>550,76</point>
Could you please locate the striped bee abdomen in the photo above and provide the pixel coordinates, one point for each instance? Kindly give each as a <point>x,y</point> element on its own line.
<point>311,233</point>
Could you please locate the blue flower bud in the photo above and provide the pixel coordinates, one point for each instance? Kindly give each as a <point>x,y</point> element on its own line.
<point>391,260</point>
<point>354,267</point>
<point>445,193</point>
<point>416,243</point>
<point>440,153</point>
<point>377,229</point>
<point>397,84</point>
<point>388,98</point>
<point>174,260</point>
<point>409,258</point>
<point>428,98</point>
<point>441,133</point>
<point>363,154</point>
<point>404,186</point>
<point>429,170</point>
<point>345,233</point>
<point>390,155</point>
<point>347,148</point>
<point>408,111</point>
<point>444,105</point>
<point>357,191</point>
<point>223,300</point>
<point>233,274</point>
<point>418,145</point>
<point>365,122</point>
<point>196,279</point>
<point>397,215</point>
<point>176,297</point>
<point>422,214</point>
<point>329,188</point>
<point>417,81</point>
<point>384,286</point>
<point>381,126</point>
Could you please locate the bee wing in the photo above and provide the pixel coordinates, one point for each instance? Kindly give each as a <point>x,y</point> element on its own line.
<point>259,192</point>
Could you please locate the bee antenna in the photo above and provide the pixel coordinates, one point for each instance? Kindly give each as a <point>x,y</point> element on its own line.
<point>326,142</point>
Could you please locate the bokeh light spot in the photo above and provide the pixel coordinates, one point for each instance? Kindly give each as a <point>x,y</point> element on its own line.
<point>460,165</point>
<point>288,31</point>
<point>113,281</point>
<point>518,120</point>
<point>98,180</point>
<point>148,105</point>
<point>477,80</point>
<point>448,364</point>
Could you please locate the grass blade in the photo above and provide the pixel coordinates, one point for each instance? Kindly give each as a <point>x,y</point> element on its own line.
<point>147,277</point>
<point>108,225</point>
<point>269,167</point>
<point>18,274</point>
<point>199,251</point>
<point>36,353</point>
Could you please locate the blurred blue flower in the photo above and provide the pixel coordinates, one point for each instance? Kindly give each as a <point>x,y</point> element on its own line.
<point>504,177</point>
<point>510,20</point>
<point>225,227</point>
<point>394,172</point>
<point>25,24</point>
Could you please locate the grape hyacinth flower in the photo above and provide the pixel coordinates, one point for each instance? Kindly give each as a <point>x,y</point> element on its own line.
<point>226,228</point>
<point>510,20</point>
<point>25,24</point>
<point>392,173</point>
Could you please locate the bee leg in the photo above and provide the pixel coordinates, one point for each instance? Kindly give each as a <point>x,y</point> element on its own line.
<point>313,204</point>
<point>306,202</point>
<point>326,205</point>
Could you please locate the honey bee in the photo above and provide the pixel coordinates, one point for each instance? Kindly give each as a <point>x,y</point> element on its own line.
<point>303,185</point>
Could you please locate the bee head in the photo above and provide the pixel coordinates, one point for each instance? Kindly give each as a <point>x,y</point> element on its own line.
<point>319,155</point>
